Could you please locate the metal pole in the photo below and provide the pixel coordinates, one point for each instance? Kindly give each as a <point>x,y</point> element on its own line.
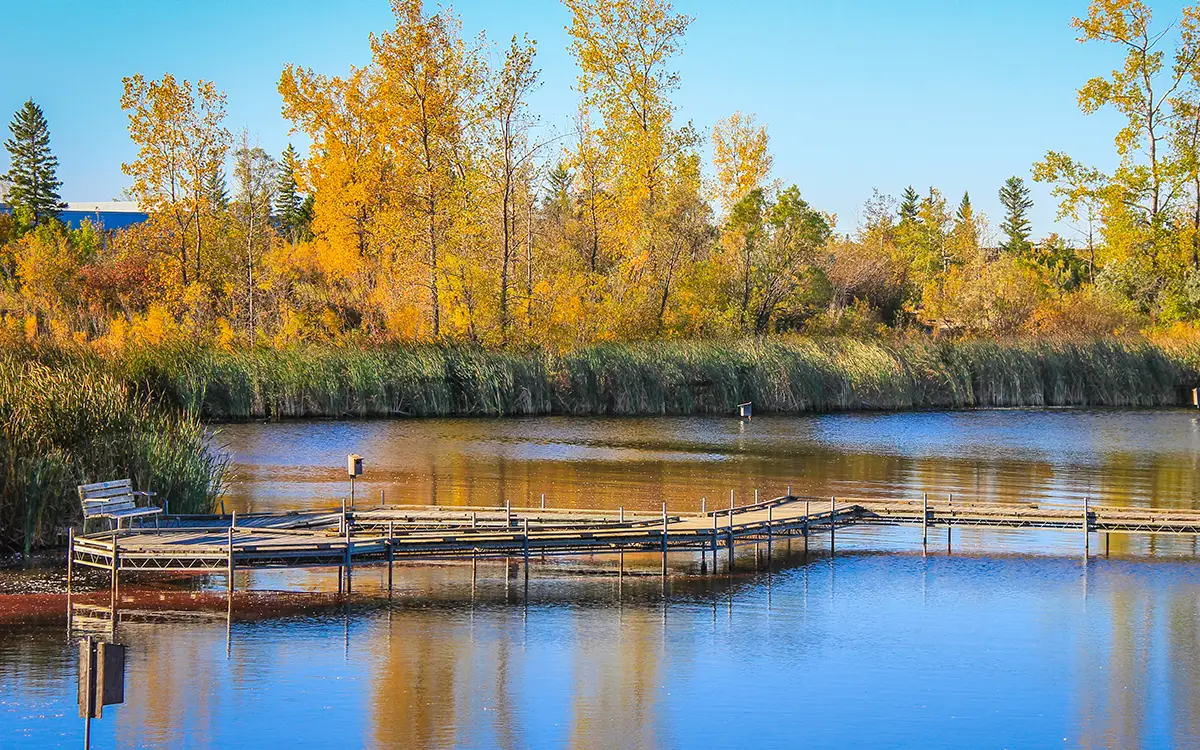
<point>770,534</point>
<point>924,519</point>
<point>382,498</point>
<point>1086,535</point>
<point>731,538</point>
<point>349,560</point>
<point>664,539</point>
<point>832,524</point>
<point>391,553</point>
<point>233,520</point>
<point>731,496</point>
<point>525,523</point>
<point>70,571</point>
<point>342,522</point>
<point>543,501</point>
<point>229,561</point>
<point>806,503</point>
<point>622,514</point>
<point>789,494</point>
<point>714,544</point>
<point>507,514</point>
<point>703,503</point>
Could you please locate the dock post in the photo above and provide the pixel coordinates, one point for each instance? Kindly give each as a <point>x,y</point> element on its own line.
<point>342,523</point>
<point>832,521</point>
<point>391,553</point>
<point>229,560</point>
<point>621,514</point>
<point>474,519</point>
<point>924,520</point>
<point>1086,535</point>
<point>525,524</point>
<point>731,506</point>
<point>731,537</point>
<point>116,585</point>
<point>789,494</point>
<point>543,501</point>
<point>349,560</point>
<point>382,498</point>
<point>770,535</point>
<point>1106,543</point>
<point>949,531</point>
<point>507,514</point>
<point>70,570</point>
<point>233,520</point>
<point>714,544</point>
<point>664,540</point>
<point>806,504</point>
<point>703,503</point>
<point>756,496</point>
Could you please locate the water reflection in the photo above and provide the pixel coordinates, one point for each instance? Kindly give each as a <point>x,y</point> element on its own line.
<point>1025,651</point>
<point>1116,457</point>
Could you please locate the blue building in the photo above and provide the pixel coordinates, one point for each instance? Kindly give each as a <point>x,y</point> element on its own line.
<point>108,214</point>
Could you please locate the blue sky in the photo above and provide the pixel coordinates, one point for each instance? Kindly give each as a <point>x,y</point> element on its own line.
<point>856,93</point>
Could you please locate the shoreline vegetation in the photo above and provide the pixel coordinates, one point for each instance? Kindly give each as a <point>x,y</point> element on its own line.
<point>794,374</point>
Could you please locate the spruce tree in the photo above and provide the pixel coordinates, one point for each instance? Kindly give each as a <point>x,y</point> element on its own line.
<point>910,203</point>
<point>217,191</point>
<point>1014,196</point>
<point>289,206</point>
<point>966,213</point>
<point>32,175</point>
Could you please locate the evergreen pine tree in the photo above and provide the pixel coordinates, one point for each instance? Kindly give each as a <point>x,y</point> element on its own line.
<point>217,191</point>
<point>1014,196</point>
<point>288,203</point>
<point>32,175</point>
<point>965,213</point>
<point>910,203</point>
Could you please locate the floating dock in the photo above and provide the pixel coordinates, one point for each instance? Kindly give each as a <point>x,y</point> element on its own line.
<point>384,534</point>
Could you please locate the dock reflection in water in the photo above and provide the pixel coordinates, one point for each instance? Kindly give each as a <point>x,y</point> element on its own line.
<point>1011,640</point>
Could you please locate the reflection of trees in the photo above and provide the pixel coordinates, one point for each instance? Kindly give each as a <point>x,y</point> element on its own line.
<point>614,701</point>
<point>431,670</point>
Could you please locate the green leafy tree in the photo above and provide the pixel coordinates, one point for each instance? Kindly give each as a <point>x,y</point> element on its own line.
<point>32,176</point>
<point>217,191</point>
<point>1014,196</point>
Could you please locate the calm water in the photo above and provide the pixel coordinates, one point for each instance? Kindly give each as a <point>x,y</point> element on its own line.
<point>1008,640</point>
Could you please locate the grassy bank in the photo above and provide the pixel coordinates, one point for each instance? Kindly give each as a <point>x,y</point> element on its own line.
<point>70,424</point>
<point>778,375</point>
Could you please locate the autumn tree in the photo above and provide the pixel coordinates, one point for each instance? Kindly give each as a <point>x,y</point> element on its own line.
<point>741,157</point>
<point>255,174</point>
<point>32,181</point>
<point>178,129</point>
<point>510,155</point>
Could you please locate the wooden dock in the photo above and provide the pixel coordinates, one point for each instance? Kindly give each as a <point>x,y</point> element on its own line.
<point>384,534</point>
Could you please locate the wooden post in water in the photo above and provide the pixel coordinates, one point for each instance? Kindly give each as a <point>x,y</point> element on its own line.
<point>229,561</point>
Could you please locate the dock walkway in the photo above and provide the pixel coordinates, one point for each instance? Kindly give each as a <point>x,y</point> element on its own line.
<point>384,534</point>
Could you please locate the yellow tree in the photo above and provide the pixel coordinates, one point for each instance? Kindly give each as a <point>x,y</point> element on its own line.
<point>181,144</point>
<point>510,155</point>
<point>741,157</point>
<point>624,50</point>
<point>430,88</point>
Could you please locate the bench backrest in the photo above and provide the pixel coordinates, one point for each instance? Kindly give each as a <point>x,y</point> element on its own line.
<point>106,497</point>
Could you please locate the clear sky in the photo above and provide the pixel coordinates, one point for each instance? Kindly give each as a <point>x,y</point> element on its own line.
<point>856,93</point>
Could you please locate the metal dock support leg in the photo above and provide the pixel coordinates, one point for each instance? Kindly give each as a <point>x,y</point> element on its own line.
<point>391,553</point>
<point>924,520</point>
<point>770,536</point>
<point>1086,535</point>
<point>731,539</point>
<point>229,561</point>
<point>832,521</point>
<point>714,544</point>
<point>664,540</point>
<point>70,572</point>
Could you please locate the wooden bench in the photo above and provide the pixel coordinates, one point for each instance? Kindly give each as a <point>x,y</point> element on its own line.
<point>115,501</point>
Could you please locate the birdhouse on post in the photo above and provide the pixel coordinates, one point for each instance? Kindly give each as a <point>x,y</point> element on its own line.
<point>746,410</point>
<point>354,469</point>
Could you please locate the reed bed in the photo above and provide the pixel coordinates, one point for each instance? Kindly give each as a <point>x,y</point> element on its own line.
<point>674,377</point>
<point>69,424</point>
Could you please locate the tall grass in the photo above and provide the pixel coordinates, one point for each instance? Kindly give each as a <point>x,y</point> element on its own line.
<point>70,424</point>
<point>674,377</point>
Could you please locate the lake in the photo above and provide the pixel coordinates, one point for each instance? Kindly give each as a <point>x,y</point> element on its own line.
<point>1007,638</point>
